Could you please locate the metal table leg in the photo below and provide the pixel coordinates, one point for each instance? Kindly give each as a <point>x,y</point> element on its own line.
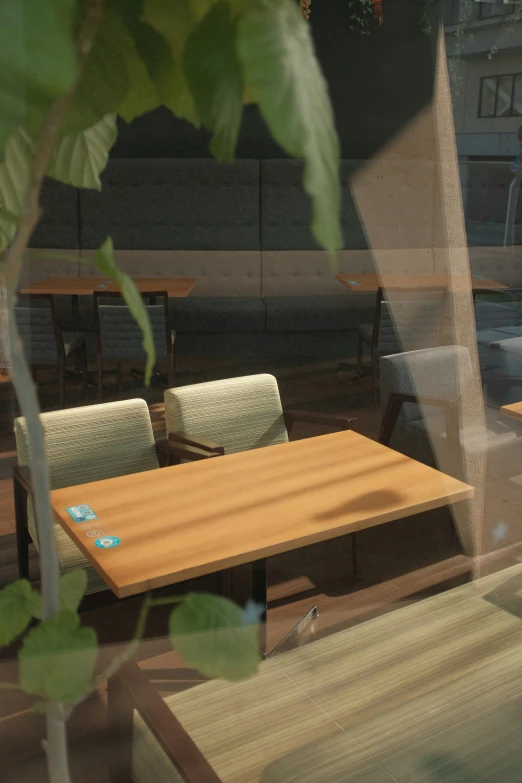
<point>260,597</point>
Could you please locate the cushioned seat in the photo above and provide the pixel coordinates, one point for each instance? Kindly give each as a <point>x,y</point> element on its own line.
<point>238,413</point>
<point>86,444</point>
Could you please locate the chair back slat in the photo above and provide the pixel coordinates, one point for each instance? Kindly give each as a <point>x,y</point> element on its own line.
<point>37,331</point>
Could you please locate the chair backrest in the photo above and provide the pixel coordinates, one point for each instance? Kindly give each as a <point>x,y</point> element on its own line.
<point>415,320</point>
<point>120,337</point>
<point>440,372</point>
<point>238,413</point>
<point>93,442</point>
<point>39,328</point>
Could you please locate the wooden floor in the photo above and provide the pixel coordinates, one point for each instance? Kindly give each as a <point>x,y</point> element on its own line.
<point>400,564</point>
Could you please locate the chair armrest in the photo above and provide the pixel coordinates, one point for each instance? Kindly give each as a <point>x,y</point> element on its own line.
<point>329,420</point>
<point>131,686</point>
<point>395,403</point>
<point>199,443</point>
<point>22,475</point>
<point>169,448</point>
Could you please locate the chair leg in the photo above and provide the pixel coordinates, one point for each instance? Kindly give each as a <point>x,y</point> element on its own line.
<point>360,348</point>
<point>22,535</point>
<point>61,381</point>
<point>85,370</point>
<point>172,372</point>
<point>375,376</point>
<point>99,364</point>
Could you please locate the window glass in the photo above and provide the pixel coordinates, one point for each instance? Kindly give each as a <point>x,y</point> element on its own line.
<point>504,93</point>
<point>487,97</point>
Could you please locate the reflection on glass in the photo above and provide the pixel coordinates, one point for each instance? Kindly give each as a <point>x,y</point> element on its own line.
<point>487,98</point>
<point>517,96</point>
<point>505,89</point>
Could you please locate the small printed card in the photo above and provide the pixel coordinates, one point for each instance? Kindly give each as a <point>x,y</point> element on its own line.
<point>353,282</point>
<point>478,277</point>
<point>83,513</point>
<point>107,542</point>
<point>104,285</point>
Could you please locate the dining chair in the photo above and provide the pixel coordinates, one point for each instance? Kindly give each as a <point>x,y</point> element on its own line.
<point>119,338</point>
<point>404,321</point>
<point>45,344</point>
<point>426,415</point>
<point>239,414</point>
<point>84,444</point>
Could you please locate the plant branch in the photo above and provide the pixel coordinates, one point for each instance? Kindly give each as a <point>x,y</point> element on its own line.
<point>56,745</point>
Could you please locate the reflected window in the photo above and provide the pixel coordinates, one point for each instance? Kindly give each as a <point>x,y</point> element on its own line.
<point>501,96</point>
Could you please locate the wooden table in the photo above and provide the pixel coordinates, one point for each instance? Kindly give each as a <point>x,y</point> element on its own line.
<point>370,283</point>
<point>513,411</point>
<point>85,286</point>
<point>198,518</point>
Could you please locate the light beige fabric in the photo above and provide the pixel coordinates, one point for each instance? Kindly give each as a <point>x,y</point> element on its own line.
<point>238,413</point>
<point>89,444</point>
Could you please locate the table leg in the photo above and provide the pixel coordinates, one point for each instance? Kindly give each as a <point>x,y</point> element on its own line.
<point>259,595</point>
<point>75,313</point>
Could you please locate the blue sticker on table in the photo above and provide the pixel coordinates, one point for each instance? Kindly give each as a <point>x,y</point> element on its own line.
<point>353,282</point>
<point>107,542</point>
<point>81,513</point>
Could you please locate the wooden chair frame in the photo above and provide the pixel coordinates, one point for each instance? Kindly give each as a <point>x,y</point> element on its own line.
<point>153,295</point>
<point>169,452</point>
<point>130,690</point>
<point>60,347</point>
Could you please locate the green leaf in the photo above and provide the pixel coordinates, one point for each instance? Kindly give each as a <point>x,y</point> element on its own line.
<point>57,659</point>
<point>211,635</point>
<point>18,605</point>
<point>280,66</point>
<point>213,73</point>
<point>14,174</point>
<point>72,588</point>
<point>37,57</point>
<point>105,80</point>
<point>104,261</point>
<point>143,95</point>
<point>174,20</point>
<point>79,159</point>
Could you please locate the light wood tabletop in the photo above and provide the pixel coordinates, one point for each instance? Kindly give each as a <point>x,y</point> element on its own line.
<point>513,411</point>
<point>79,286</point>
<point>365,283</point>
<point>198,518</point>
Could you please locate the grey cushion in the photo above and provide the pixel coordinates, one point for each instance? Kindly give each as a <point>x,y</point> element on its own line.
<point>122,338</point>
<point>218,314</point>
<point>59,226</point>
<point>487,336</point>
<point>286,209</point>
<point>491,315</point>
<point>174,204</point>
<point>36,328</point>
<point>309,313</point>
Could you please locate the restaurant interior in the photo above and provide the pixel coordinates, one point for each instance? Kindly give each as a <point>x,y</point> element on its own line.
<point>332,444</point>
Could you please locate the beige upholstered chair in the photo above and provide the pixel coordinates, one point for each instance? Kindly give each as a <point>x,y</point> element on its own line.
<point>239,414</point>
<point>83,444</point>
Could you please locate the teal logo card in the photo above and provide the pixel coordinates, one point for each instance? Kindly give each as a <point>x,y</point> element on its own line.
<point>82,513</point>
